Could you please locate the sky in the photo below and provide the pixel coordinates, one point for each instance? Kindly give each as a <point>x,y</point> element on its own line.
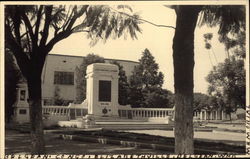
<point>159,42</point>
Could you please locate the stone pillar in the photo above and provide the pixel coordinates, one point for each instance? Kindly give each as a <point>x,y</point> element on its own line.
<point>103,102</point>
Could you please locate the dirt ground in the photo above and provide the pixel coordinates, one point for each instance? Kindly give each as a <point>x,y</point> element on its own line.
<point>17,143</point>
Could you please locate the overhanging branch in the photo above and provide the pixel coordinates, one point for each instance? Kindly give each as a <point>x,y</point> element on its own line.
<point>143,20</point>
<point>60,36</point>
<point>27,23</point>
<point>38,21</point>
<point>48,11</point>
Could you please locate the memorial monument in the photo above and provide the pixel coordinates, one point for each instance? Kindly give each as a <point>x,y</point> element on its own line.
<point>102,90</point>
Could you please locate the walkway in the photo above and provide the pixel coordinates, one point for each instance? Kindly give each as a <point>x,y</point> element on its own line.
<point>233,138</point>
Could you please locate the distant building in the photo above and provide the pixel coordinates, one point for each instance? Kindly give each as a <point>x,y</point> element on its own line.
<point>59,71</point>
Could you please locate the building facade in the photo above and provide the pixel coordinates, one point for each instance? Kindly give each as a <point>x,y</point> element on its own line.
<point>59,73</point>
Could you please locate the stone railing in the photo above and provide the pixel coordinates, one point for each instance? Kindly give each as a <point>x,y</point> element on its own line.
<point>71,112</point>
<point>137,113</point>
<point>56,110</point>
<point>76,111</point>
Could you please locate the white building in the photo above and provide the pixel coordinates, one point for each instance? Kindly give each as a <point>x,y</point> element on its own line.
<point>59,71</point>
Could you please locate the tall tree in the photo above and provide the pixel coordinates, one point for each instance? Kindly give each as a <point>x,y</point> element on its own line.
<point>123,86</point>
<point>12,76</point>
<point>81,73</point>
<point>227,81</point>
<point>230,19</point>
<point>146,82</point>
<point>31,31</point>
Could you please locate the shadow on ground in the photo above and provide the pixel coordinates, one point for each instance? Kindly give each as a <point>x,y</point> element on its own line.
<point>16,143</point>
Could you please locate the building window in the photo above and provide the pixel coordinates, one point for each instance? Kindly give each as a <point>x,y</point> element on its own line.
<point>22,111</point>
<point>105,91</point>
<point>22,95</point>
<point>64,78</point>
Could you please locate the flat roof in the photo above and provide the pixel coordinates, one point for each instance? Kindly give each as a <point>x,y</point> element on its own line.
<point>104,58</point>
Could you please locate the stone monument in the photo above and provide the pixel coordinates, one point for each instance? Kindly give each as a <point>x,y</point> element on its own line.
<point>102,90</point>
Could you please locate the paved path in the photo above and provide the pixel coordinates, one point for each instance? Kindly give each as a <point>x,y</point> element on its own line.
<point>219,136</point>
<point>228,126</point>
<point>19,144</point>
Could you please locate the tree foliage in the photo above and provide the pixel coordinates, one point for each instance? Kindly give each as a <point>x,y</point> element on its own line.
<point>227,81</point>
<point>229,18</point>
<point>203,101</point>
<point>123,85</point>
<point>28,27</point>
<point>81,73</point>
<point>146,82</point>
<point>31,31</point>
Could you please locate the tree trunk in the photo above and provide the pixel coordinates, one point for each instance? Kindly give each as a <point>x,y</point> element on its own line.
<point>35,104</point>
<point>183,56</point>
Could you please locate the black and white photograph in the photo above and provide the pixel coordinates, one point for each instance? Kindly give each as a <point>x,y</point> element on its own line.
<point>124,79</point>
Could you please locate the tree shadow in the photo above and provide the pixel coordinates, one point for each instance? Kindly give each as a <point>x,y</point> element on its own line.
<point>18,143</point>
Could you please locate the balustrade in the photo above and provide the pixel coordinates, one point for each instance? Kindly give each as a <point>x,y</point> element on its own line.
<point>145,112</point>
<point>135,113</point>
<point>63,111</point>
<point>55,110</point>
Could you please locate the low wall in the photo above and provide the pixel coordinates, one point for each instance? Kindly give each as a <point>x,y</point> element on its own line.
<point>52,120</point>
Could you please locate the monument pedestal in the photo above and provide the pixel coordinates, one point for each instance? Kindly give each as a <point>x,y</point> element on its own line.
<point>102,90</point>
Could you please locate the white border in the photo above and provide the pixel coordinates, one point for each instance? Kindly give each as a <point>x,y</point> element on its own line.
<point>211,2</point>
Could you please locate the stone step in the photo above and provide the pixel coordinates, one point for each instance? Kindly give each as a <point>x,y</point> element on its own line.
<point>115,119</point>
<point>134,126</point>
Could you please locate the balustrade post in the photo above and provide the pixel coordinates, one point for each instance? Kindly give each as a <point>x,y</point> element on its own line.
<point>75,112</point>
<point>69,114</point>
<point>205,114</point>
<point>216,115</point>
